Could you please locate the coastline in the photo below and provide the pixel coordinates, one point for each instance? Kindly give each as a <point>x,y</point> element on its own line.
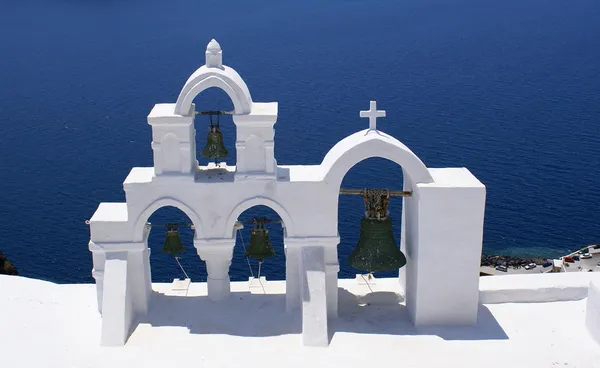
<point>585,259</point>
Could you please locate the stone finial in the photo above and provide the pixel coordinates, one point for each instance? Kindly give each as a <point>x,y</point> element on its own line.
<point>214,55</point>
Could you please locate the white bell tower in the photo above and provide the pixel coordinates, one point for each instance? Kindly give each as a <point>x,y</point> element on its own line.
<point>174,136</point>
<point>442,215</point>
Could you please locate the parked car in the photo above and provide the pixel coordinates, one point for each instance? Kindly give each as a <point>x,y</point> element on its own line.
<point>547,264</point>
<point>569,259</point>
<point>586,256</point>
<point>576,257</point>
<point>502,268</point>
<point>532,265</point>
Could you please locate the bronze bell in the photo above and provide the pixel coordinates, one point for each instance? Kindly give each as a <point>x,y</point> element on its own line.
<point>260,244</point>
<point>172,244</point>
<point>376,250</point>
<point>214,149</point>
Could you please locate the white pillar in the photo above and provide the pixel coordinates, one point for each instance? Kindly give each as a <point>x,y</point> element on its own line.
<point>217,253</point>
<point>218,281</point>
<point>314,297</point>
<point>331,275</point>
<point>293,300</point>
<point>148,271</point>
<point>445,250</point>
<point>332,268</point>
<point>139,278</point>
<point>403,229</point>
<point>117,311</point>
<point>98,259</point>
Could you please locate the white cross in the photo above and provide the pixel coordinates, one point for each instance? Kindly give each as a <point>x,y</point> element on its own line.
<point>373,114</point>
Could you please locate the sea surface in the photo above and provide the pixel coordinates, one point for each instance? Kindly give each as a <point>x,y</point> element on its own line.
<point>509,89</point>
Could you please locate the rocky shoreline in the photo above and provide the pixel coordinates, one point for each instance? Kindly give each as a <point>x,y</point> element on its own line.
<point>493,260</point>
<point>7,268</point>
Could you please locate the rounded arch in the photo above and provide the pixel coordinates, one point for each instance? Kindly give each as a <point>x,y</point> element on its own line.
<point>258,201</point>
<point>366,144</point>
<point>226,79</point>
<point>138,229</point>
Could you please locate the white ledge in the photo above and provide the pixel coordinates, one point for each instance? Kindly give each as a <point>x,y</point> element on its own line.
<point>537,288</point>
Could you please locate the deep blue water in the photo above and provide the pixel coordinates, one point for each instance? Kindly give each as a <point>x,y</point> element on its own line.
<point>509,89</point>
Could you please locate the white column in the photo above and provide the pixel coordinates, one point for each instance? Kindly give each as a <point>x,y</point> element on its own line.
<point>443,279</point>
<point>139,278</point>
<point>148,271</point>
<point>332,268</point>
<point>403,229</point>
<point>331,275</point>
<point>293,300</point>
<point>117,311</point>
<point>217,253</point>
<point>314,297</point>
<point>98,259</point>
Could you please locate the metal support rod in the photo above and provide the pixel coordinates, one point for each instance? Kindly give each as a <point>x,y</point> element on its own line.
<point>214,112</point>
<point>393,193</point>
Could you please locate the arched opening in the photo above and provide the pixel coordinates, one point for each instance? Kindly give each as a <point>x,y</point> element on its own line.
<point>214,99</point>
<point>164,268</point>
<point>370,173</point>
<point>272,268</point>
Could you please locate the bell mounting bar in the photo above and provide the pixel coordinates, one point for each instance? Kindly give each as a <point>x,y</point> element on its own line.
<point>393,193</point>
<point>258,220</point>
<point>214,112</point>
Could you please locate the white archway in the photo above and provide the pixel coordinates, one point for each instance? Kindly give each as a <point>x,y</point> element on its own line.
<point>258,201</point>
<point>366,144</point>
<point>138,229</point>
<point>226,79</point>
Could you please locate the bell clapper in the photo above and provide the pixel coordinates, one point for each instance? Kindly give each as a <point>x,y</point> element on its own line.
<point>259,266</point>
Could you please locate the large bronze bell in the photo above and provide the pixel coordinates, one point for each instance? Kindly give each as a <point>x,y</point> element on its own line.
<point>214,149</point>
<point>376,250</point>
<point>173,244</point>
<point>260,244</point>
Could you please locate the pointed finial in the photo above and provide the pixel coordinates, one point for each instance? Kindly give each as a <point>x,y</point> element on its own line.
<point>214,55</point>
<point>213,46</point>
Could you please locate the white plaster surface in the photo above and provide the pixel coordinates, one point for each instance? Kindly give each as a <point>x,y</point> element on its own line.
<point>57,326</point>
<point>592,320</point>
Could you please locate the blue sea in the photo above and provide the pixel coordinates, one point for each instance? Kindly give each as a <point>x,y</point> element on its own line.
<point>509,89</point>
